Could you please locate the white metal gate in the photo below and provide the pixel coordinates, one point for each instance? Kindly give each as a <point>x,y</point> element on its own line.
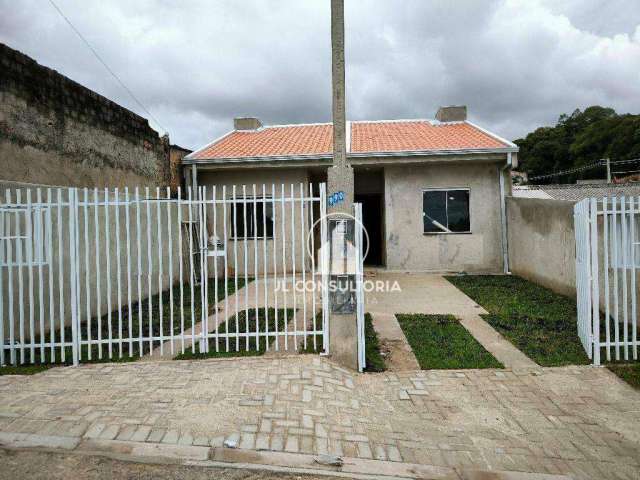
<point>607,265</point>
<point>359,244</point>
<point>89,275</point>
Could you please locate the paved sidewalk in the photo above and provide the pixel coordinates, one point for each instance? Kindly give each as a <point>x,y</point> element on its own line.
<point>433,294</point>
<point>577,420</point>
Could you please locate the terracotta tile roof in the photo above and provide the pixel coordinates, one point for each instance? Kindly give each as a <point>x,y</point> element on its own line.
<point>417,135</point>
<point>272,141</point>
<point>366,137</point>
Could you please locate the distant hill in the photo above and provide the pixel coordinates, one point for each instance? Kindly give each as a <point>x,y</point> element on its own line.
<point>579,139</point>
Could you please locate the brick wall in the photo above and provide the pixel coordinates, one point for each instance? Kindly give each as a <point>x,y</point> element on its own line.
<point>55,131</point>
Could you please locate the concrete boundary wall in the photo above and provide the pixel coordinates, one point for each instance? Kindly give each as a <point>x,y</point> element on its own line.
<point>542,242</point>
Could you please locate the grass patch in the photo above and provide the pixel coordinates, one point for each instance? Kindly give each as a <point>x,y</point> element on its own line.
<point>140,316</point>
<point>629,372</point>
<point>242,323</point>
<point>373,359</point>
<point>24,369</point>
<point>536,320</point>
<point>440,342</point>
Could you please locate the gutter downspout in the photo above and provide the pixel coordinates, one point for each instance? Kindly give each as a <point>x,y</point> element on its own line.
<point>503,215</point>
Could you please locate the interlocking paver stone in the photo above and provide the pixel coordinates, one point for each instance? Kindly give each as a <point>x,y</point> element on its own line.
<point>580,421</point>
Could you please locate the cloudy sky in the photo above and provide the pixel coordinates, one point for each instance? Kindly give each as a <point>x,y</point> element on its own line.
<point>196,64</point>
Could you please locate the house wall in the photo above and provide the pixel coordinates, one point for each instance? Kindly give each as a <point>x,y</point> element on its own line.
<point>55,131</point>
<point>247,248</point>
<point>408,249</point>
<point>542,242</point>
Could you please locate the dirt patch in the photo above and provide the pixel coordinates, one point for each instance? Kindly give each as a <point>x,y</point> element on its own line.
<point>397,355</point>
<point>53,466</point>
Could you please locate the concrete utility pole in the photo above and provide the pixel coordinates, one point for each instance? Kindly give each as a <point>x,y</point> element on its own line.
<point>343,343</point>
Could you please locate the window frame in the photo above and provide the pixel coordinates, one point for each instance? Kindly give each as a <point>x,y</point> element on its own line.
<point>446,189</point>
<point>234,202</point>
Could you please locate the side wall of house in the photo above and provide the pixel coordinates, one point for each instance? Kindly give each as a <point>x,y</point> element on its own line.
<point>251,251</point>
<point>542,242</point>
<point>54,131</point>
<point>409,249</point>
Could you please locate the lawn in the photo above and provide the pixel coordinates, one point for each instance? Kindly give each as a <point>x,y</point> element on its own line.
<point>139,317</point>
<point>629,372</point>
<point>536,320</point>
<point>373,359</point>
<point>441,342</point>
<point>247,346</point>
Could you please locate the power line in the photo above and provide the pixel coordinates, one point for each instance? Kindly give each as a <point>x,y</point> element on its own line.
<point>599,163</point>
<point>106,66</point>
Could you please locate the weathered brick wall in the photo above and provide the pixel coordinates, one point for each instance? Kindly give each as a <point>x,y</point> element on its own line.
<point>55,131</point>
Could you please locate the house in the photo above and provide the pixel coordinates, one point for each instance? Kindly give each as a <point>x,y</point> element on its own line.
<point>432,191</point>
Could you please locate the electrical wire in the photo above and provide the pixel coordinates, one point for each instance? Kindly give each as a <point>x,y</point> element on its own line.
<point>128,90</point>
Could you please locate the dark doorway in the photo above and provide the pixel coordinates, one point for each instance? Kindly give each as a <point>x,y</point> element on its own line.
<point>372,215</point>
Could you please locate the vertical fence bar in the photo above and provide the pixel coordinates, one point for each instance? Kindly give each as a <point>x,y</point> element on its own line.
<point>149,269</point>
<point>312,254</point>
<point>181,269</point>
<point>191,274</point>
<point>616,266</point>
<point>118,272</point>
<point>275,266</point>
<point>87,270</point>
<point>625,270</point>
<point>98,276</point>
<point>74,252</point>
<point>205,264</point>
<point>3,259</point>
<point>235,264</point>
<point>60,277</point>
<point>226,266</point>
<point>170,240</point>
<point>634,291</point>
<point>255,264</point>
<point>52,327</point>
<point>203,286</point>
<point>160,289</point>
<point>303,266</point>
<point>264,266</point>
<point>107,236</point>
<point>11,315</point>
<point>605,249</point>
<point>41,260</point>
<point>19,262</point>
<point>139,275</point>
<point>324,269</point>
<point>293,267</point>
<point>283,221</point>
<point>127,221</point>
<point>246,268</point>
<point>214,205</point>
<point>28,218</point>
<point>595,289</point>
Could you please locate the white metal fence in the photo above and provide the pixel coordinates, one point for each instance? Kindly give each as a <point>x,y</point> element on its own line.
<point>607,266</point>
<point>88,275</point>
<point>362,363</point>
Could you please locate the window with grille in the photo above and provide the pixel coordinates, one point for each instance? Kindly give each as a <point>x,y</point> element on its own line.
<point>256,221</point>
<point>24,236</point>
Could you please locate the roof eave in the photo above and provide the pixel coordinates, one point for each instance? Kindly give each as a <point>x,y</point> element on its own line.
<point>259,159</point>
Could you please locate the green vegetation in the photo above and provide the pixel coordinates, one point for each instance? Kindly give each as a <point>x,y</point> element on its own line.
<point>536,320</point>
<point>580,139</point>
<point>440,342</point>
<point>139,318</point>
<point>242,323</point>
<point>629,372</point>
<point>373,359</point>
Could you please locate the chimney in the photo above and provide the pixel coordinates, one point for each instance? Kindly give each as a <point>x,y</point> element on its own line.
<point>246,123</point>
<point>453,113</point>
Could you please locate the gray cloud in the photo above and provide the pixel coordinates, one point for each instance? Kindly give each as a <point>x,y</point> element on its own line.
<point>517,64</point>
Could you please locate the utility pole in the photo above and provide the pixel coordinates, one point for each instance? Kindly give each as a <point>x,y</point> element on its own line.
<point>343,332</point>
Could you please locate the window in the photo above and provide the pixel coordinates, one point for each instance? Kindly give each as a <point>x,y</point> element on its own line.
<point>446,211</point>
<point>623,253</point>
<point>23,236</point>
<point>254,218</point>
